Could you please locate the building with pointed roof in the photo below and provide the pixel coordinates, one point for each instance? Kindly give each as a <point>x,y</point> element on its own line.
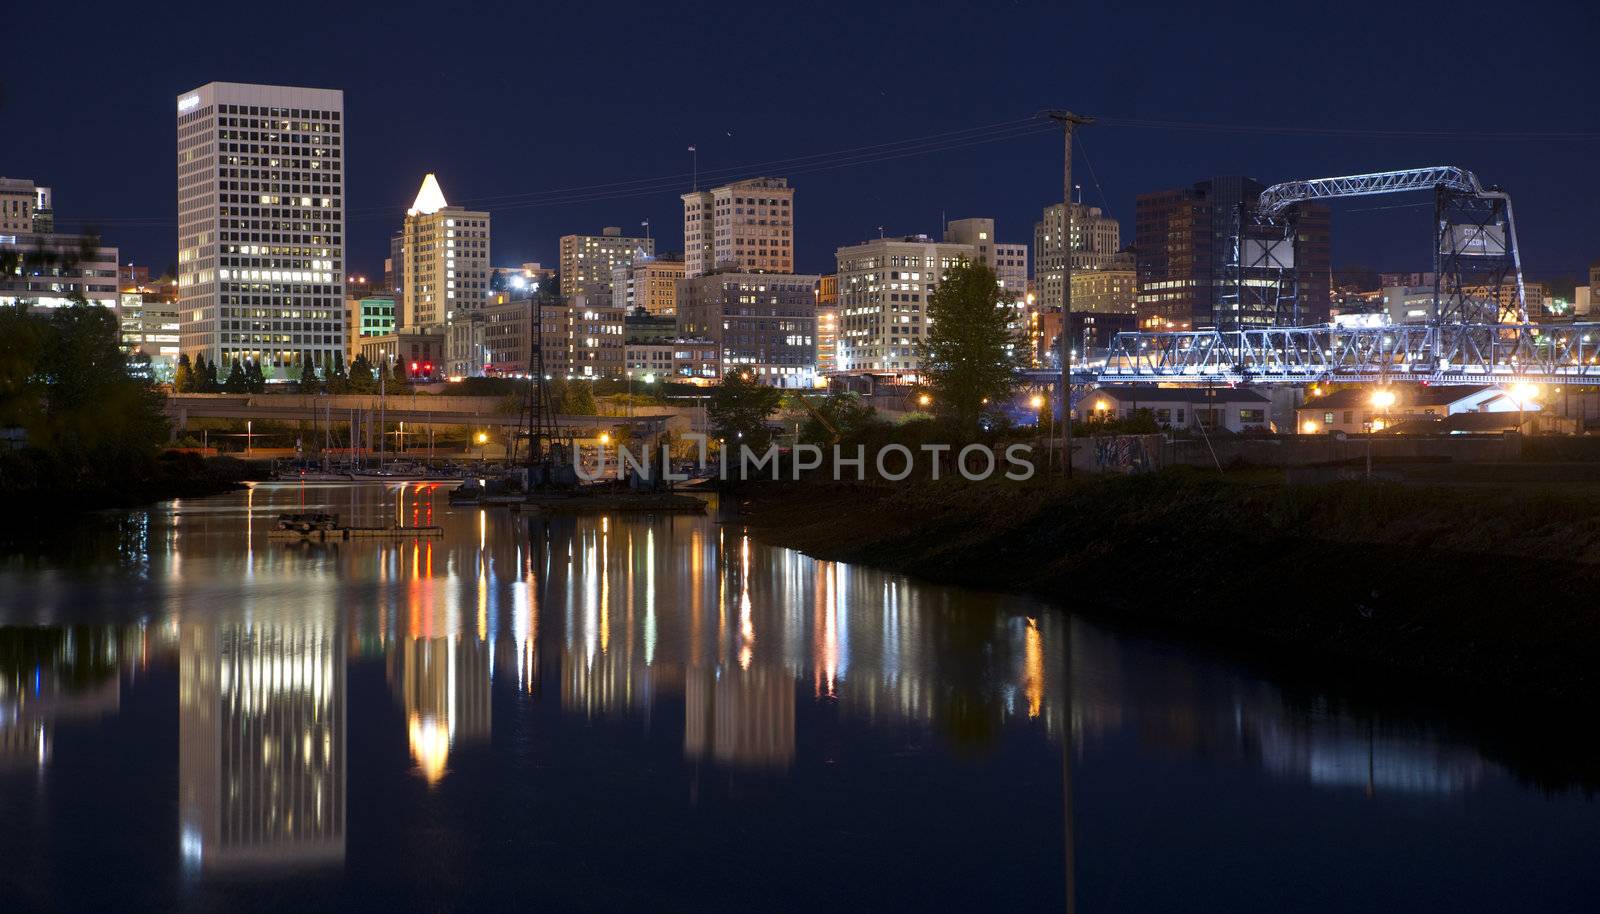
<point>445,275</point>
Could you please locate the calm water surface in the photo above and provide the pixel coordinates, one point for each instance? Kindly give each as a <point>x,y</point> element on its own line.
<point>665,714</point>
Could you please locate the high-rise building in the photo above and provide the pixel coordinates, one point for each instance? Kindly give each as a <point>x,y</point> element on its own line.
<point>447,274</point>
<point>1184,240</point>
<point>261,225</point>
<point>1009,262</point>
<point>764,323</point>
<point>1096,238</point>
<point>746,225</point>
<point>648,283</point>
<point>589,262</point>
<point>884,287</point>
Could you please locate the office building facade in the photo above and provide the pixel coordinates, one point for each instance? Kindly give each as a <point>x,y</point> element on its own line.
<point>884,288</point>
<point>746,225</point>
<point>763,323</point>
<point>261,225</point>
<point>589,262</point>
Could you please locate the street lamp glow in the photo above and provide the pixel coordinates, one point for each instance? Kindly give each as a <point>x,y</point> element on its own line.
<point>1037,402</point>
<point>924,400</point>
<point>482,438</point>
<point>1526,393</point>
<point>1310,427</point>
<point>605,437</point>
<point>1383,399</point>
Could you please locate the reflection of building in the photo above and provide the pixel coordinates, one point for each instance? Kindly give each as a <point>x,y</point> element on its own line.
<point>606,683</point>
<point>49,675</point>
<point>261,753</point>
<point>443,686</point>
<point>740,718</point>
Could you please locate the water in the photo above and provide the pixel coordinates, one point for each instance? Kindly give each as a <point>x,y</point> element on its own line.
<point>666,714</point>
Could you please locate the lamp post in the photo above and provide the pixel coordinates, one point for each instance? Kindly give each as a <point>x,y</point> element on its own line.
<point>1382,399</point>
<point>482,438</point>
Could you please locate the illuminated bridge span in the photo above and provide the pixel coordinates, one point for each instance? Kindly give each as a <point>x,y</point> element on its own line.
<point>1448,353</point>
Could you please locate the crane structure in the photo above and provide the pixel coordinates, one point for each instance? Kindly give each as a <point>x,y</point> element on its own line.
<point>1477,327</point>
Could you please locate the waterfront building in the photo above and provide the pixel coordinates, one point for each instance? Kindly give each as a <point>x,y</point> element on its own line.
<point>884,287</point>
<point>746,225</point>
<point>446,274</point>
<point>763,323</point>
<point>1352,410</point>
<point>261,249</point>
<point>589,262</point>
<point>1235,409</point>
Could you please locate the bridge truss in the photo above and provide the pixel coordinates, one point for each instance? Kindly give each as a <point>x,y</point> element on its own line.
<point>1477,330</point>
<point>1452,353</point>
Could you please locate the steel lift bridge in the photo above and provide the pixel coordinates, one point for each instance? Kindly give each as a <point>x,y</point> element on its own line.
<point>1478,331</point>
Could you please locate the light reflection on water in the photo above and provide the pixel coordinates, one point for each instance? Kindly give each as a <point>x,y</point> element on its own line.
<point>750,665</point>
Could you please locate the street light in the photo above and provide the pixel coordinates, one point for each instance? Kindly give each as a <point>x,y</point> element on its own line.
<point>924,400</point>
<point>1382,398</point>
<point>1524,394</point>
<point>1309,427</point>
<point>482,438</point>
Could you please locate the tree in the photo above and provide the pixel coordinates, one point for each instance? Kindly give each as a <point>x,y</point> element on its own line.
<point>237,382</point>
<point>577,399</point>
<point>338,382</point>
<point>361,380</point>
<point>968,356</point>
<point>739,409</point>
<point>394,380</point>
<point>308,377</point>
<point>254,380</point>
<point>844,411</point>
<point>183,380</point>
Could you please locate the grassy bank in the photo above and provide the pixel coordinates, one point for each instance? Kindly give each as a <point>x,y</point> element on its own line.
<point>1490,590</point>
<point>37,482</point>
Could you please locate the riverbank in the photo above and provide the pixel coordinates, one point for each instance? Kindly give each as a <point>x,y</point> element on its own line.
<point>35,483</point>
<point>1490,591</point>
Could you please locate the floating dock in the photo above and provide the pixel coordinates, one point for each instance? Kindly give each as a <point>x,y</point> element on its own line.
<point>349,533</point>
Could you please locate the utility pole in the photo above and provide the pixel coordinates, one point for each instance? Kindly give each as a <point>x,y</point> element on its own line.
<point>1067,120</point>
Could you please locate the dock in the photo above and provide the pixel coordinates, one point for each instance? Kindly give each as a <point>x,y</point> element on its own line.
<point>348,533</point>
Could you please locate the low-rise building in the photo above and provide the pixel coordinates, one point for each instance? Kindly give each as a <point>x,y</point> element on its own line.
<point>420,349</point>
<point>1233,409</point>
<point>1357,410</point>
<point>368,316</point>
<point>54,270</point>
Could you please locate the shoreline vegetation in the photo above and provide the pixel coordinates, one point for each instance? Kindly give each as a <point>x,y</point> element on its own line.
<point>1490,592</point>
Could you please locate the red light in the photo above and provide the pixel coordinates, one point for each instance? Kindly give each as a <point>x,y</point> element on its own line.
<point>413,366</point>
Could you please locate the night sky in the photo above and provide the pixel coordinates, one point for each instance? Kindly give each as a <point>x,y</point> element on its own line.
<point>509,102</point>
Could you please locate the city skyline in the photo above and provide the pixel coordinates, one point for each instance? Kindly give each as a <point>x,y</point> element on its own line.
<point>1305,131</point>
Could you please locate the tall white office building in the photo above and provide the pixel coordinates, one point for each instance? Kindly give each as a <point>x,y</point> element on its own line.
<point>261,225</point>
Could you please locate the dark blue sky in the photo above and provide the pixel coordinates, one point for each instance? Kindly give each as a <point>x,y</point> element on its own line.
<point>515,98</point>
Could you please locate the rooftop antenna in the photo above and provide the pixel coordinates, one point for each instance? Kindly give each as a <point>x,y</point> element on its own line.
<point>694,159</point>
